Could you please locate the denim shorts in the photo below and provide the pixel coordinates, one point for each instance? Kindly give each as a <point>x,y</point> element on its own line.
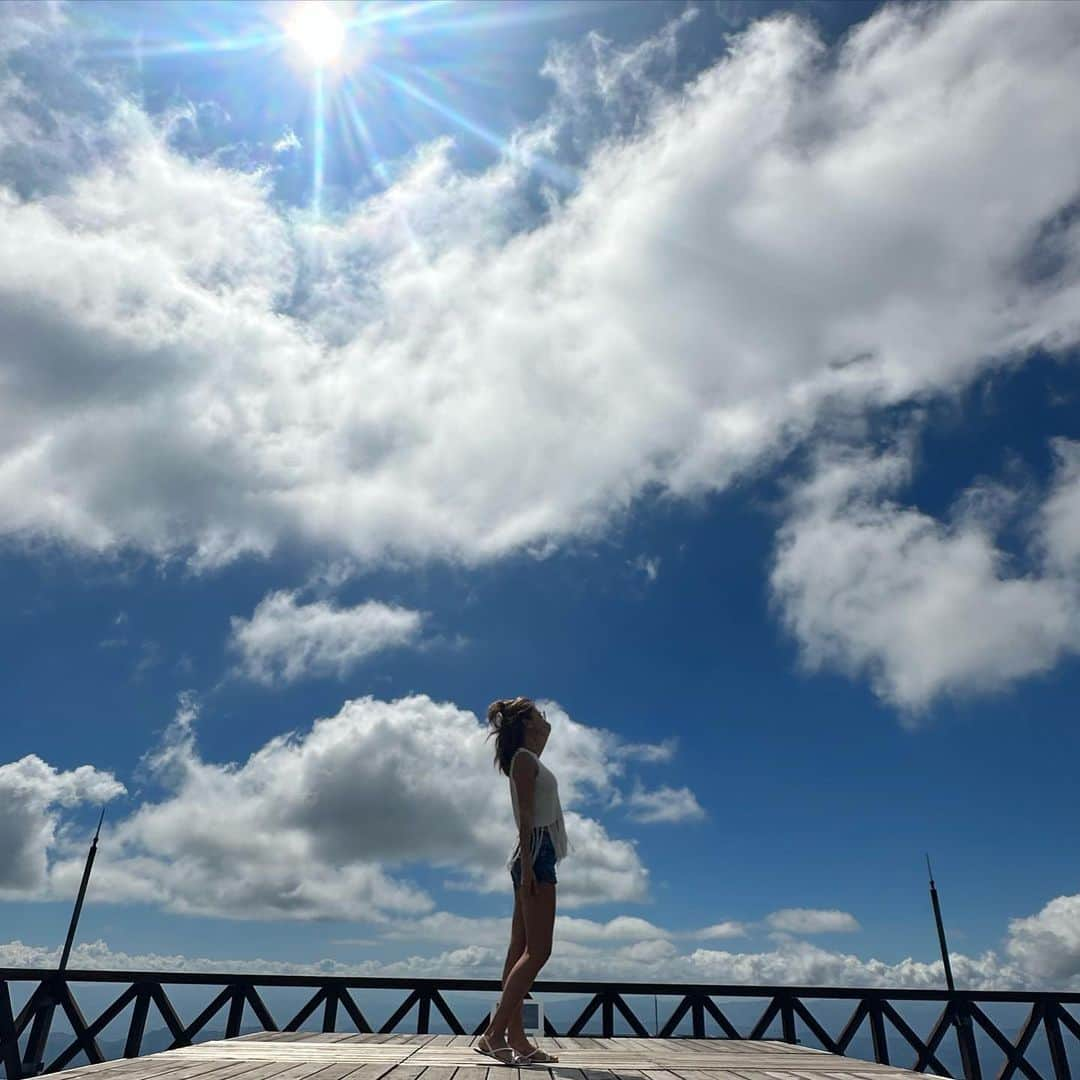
<point>543,864</point>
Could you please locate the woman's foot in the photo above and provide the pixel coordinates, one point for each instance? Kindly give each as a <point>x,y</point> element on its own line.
<point>494,1046</point>
<point>535,1056</point>
<point>523,1048</point>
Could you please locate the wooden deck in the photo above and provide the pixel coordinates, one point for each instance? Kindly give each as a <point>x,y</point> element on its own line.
<point>299,1055</point>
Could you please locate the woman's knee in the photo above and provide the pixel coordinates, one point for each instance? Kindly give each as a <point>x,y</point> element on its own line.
<point>538,953</point>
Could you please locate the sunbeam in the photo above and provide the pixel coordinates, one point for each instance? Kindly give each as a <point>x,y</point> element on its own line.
<point>374,161</point>
<point>327,43</point>
<point>318,143</point>
<point>558,174</point>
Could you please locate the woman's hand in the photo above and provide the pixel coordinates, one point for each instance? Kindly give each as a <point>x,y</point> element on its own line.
<point>528,880</point>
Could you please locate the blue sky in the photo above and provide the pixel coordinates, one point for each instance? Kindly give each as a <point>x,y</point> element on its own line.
<point>706,372</point>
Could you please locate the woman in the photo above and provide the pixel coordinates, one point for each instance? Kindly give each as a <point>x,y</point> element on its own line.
<point>520,731</point>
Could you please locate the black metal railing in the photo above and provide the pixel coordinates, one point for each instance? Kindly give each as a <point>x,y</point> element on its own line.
<point>24,1036</point>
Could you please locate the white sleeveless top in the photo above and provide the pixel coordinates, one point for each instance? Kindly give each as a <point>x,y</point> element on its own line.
<point>547,811</point>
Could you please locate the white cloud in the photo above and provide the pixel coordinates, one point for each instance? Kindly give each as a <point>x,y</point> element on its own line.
<point>925,607</point>
<point>663,804</point>
<point>801,963</point>
<point>812,921</point>
<point>32,793</point>
<point>327,822</point>
<point>619,928</point>
<point>649,752</point>
<point>99,955</point>
<point>649,567</point>
<point>288,141</point>
<point>647,960</point>
<point>1048,944</point>
<point>284,641</point>
<point>247,377</point>
<point>728,929</point>
<point>1060,519</point>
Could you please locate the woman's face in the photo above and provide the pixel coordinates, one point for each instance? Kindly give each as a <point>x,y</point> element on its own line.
<point>538,726</point>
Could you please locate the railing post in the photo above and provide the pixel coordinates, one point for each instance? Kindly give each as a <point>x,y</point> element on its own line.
<point>697,1013</point>
<point>1058,1057</point>
<point>9,1040</point>
<point>133,1043</point>
<point>329,1016</point>
<point>787,1018</point>
<point>877,1031</point>
<point>965,1038</point>
<point>607,1016</point>
<point>34,1058</point>
<point>236,1012</point>
<point>423,1020</point>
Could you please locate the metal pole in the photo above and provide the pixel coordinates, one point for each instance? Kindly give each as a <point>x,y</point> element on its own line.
<point>965,1035</point>
<point>51,993</point>
<point>940,930</point>
<point>82,896</point>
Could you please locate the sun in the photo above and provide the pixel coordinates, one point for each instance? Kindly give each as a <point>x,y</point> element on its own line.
<point>318,31</point>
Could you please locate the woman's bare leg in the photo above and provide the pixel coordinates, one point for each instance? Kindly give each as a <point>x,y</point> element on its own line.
<point>539,916</point>
<point>515,1027</point>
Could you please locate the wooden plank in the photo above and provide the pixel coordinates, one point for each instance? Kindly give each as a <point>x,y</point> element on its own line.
<point>98,1071</point>
<point>294,1051</point>
<point>372,1070</point>
<point>438,1072</point>
<point>154,1065</point>
<point>298,1071</point>
<point>636,1042</point>
<point>338,1070</point>
<point>585,1042</point>
<point>207,1067</point>
<point>687,1045</point>
<point>712,1074</point>
<point>574,1042</point>
<point>405,1072</point>
<point>150,1065</point>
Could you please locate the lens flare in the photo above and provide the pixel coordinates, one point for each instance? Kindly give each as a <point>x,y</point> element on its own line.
<point>318,31</point>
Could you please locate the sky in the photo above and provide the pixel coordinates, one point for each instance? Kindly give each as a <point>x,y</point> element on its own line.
<point>706,372</point>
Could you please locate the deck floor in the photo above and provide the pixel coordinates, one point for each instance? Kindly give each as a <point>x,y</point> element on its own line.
<point>300,1055</point>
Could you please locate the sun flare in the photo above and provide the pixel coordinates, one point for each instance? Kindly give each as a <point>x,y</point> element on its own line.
<point>318,31</point>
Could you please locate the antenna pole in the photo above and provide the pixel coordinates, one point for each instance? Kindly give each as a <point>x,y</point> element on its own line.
<point>940,930</point>
<point>965,1035</point>
<point>53,990</point>
<point>82,895</point>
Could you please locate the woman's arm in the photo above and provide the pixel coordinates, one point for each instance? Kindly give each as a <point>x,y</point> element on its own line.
<point>524,778</point>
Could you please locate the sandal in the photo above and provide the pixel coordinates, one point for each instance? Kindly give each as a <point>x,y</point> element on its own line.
<point>535,1056</point>
<point>487,1051</point>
